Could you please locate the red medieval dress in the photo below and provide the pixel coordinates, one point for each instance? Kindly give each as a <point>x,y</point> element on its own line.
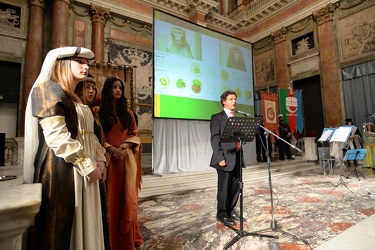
<point>123,182</point>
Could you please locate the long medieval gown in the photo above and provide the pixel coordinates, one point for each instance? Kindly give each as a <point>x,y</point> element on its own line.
<point>369,141</point>
<point>70,215</point>
<point>123,183</point>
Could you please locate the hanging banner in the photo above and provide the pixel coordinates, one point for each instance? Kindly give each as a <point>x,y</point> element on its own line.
<point>300,118</point>
<point>269,107</point>
<point>289,107</point>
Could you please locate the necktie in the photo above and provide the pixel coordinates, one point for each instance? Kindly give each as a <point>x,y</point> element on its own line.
<point>238,144</point>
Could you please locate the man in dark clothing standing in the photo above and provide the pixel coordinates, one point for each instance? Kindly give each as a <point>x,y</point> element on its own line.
<point>227,160</point>
<point>261,146</point>
<point>285,134</point>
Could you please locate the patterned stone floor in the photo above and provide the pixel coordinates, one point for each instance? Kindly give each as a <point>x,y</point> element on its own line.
<point>309,209</point>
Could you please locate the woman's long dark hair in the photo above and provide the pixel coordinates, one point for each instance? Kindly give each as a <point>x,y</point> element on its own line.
<point>107,114</point>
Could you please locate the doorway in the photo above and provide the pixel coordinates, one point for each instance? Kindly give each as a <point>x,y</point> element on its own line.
<point>312,105</point>
<point>9,97</point>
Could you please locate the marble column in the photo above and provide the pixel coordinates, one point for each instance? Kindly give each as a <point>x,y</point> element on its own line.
<point>34,49</point>
<point>99,17</point>
<point>330,74</point>
<point>281,58</point>
<point>60,23</point>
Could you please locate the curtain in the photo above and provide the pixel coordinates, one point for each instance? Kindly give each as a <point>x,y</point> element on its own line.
<point>184,146</point>
<point>359,93</point>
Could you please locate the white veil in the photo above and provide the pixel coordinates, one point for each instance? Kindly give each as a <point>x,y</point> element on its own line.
<point>31,140</point>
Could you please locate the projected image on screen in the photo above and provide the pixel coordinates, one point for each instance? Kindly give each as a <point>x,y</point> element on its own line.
<point>193,66</point>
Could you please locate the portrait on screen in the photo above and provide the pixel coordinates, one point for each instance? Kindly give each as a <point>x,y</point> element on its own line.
<point>236,59</point>
<point>179,44</point>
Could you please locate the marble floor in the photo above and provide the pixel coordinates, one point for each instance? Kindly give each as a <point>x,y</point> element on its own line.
<point>305,211</point>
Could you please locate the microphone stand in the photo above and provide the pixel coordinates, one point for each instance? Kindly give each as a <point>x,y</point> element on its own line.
<point>244,133</point>
<point>373,115</point>
<point>274,225</point>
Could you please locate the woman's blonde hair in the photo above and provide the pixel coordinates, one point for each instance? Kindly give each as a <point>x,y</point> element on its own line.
<point>62,74</point>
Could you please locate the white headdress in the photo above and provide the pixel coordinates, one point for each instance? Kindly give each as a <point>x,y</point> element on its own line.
<point>31,140</point>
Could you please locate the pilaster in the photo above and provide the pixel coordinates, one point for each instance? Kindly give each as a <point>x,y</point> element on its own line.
<point>34,49</point>
<point>99,17</point>
<point>60,21</point>
<point>330,72</point>
<point>281,57</point>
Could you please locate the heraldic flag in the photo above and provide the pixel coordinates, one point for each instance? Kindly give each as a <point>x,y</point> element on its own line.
<point>291,107</point>
<point>269,107</point>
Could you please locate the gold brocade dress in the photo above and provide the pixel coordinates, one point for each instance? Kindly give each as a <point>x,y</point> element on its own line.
<point>369,141</point>
<point>70,213</point>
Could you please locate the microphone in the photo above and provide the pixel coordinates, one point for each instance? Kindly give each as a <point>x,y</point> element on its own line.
<point>242,113</point>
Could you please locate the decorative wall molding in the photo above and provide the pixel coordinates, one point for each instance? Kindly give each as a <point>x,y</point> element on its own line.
<point>305,65</point>
<point>184,9</point>
<point>254,13</point>
<point>131,25</point>
<point>119,10</point>
<point>356,36</point>
<point>99,14</point>
<point>12,46</point>
<point>301,25</point>
<point>324,14</point>
<point>279,35</point>
<point>40,3</point>
<point>263,43</point>
<point>104,14</point>
<point>347,6</point>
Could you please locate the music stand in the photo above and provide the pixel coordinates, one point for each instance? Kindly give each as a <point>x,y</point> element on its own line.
<point>341,134</point>
<point>241,129</point>
<point>355,155</point>
<point>325,160</point>
<point>324,153</point>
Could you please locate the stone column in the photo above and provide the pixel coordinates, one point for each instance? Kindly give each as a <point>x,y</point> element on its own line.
<point>99,17</point>
<point>34,51</point>
<point>281,58</point>
<point>60,23</point>
<point>330,73</point>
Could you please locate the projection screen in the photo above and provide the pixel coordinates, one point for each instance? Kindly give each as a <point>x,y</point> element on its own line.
<point>193,66</point>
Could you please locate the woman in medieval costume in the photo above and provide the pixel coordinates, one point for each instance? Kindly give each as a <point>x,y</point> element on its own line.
<point>88,92</point>
<point>124,168</point>
<point>369,142</point>
<point>62,153</point>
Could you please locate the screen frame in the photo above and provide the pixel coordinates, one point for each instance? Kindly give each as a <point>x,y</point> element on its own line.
<point>210,32</point>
